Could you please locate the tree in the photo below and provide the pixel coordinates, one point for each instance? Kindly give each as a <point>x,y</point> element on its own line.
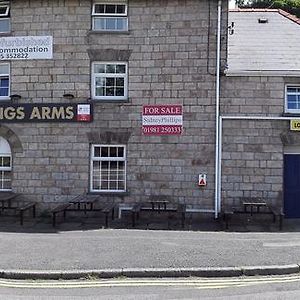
<point>291,6</point>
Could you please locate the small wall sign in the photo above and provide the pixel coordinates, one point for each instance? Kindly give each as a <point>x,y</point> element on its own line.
<point>295,125</point>
<point>162,120</point>
<point>46,112</point>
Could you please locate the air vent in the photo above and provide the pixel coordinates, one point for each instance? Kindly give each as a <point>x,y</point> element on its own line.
<point>263,20</point>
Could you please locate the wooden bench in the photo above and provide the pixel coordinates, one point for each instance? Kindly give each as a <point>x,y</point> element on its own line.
<point>106,210</point>
<point>181,209</point>
<point>277,213</point>
<point>26,207</point>
<point>61,208</point>
<point>135,213</point>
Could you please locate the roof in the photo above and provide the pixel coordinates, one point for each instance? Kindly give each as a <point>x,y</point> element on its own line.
<point>269,47</point>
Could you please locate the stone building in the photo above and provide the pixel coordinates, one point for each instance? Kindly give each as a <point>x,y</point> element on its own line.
<point>260,103</point>
<point>76,78</point>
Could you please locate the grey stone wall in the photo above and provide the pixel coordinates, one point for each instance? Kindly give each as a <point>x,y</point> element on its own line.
<point>253,150</point>
<point>170,49</point>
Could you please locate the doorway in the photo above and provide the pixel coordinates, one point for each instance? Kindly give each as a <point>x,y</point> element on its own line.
<point>291,180</point>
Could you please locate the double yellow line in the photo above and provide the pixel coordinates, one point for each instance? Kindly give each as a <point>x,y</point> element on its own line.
<point>199,283</point>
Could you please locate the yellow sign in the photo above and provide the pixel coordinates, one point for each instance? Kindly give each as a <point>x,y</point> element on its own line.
<point>295,125</point>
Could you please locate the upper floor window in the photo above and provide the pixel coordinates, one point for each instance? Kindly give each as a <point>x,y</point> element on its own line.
<point>4,81</point>
<point>109,81</point>
<point>292,99</point>
<point>110,17</point>
<point>4,17</point>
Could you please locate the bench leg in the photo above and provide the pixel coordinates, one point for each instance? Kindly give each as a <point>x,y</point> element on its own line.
<point>33,211</point>
<point>53,219</point>
<point>182,219</point>
<point>21,217</point>
<point>133,218</point>
<point>113,213</point>
<point>280,222</point>
<point>106,220</point>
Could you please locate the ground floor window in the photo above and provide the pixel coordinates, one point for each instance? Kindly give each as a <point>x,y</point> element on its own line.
<point>108,168</point>
<point>5,165</point>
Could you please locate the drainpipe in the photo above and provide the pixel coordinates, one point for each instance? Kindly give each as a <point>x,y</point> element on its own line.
<point>217,150</point>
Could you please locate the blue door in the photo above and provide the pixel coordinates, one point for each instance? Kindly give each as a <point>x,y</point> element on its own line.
<point>292,185</point>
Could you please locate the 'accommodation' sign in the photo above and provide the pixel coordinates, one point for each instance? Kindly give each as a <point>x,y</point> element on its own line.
<point>162,119</point>
<point>43,112</point>
<point>26,47</point>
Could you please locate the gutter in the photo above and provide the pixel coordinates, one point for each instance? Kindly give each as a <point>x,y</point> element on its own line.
<point>217,148</point>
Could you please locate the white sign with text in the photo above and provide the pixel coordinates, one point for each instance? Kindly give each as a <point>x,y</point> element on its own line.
<point>26,47</point>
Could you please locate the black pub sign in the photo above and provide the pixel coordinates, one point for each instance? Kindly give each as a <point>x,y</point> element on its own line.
<point>46,112</point>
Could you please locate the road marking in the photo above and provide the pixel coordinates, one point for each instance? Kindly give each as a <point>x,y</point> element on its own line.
<point>199,283</point>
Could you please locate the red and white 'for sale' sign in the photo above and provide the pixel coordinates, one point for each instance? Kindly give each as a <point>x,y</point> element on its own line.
<point>162,119</point>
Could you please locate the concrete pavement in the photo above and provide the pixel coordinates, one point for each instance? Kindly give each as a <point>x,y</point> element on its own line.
<point>83,249</point>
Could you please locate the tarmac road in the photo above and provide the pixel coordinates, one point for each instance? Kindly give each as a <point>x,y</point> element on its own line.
<point>121,248</point>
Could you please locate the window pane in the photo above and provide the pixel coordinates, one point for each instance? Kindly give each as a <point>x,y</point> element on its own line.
<point>110,82</point>
<point>4,68</point>
<point>3,10</point>
<point>97,151</point>
<point>120,82</point>
<point>110,24</point>
<point>120,92</point>
<point>121,24</point>
<point>3,92</point>
<point>111,69</point>
<point>113,152</point>
<point>104,151</point>
<point>100,81</point>
<point>100,91</point>
<point>99,68</point>
<point>110,92</point>
<point>121,69</point>
<point>121,9</point>
<point>4,25</point>
<point>291,90</point>
<point>4,82</point>
<point>110,8</point>
<point>99,8</point>
<point>6,161</point>
<point>120,152</point>
<point>99,24</point>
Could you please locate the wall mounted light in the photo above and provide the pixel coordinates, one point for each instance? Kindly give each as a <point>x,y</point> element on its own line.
<point>68,96</point>
<point>15,97</point>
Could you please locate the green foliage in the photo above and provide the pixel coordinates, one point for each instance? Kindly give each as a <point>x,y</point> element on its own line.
<point>291,6</point>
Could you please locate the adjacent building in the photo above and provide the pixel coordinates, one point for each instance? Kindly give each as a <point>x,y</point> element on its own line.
<point>260,108</point>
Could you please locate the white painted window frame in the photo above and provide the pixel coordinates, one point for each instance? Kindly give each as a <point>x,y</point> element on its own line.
<point>93,158</point>
<point>2,75</point>
<point>296,111</point>
<point>111,75</point>
<point>107,16</point>
<point>5,16</point>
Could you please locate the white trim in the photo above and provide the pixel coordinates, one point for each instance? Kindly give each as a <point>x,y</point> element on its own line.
<point>6,75</point>
<point>93,158</point>
<point>110,14</point>
<point>111,75</point>
<point>275,73</point>
<point>217,150</point>
<point>286,100</point>
<point>6,12</point>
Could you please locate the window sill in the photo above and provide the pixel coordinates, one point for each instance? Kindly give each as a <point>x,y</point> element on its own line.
<point>113,194</point>
<point>109,101</point>
<point>101,32</point>
<point>291,114</point>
